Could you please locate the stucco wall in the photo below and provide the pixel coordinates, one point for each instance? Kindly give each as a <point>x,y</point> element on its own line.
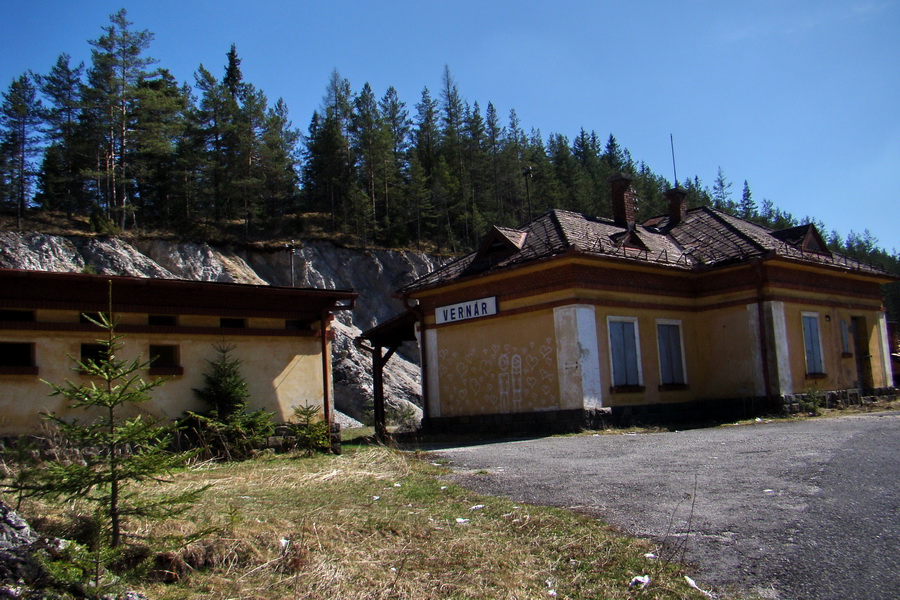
<point>725,345</point>
<point>497,365</point>
<point>280,372</point>
<point>840,367</point>
<point>646,320</point>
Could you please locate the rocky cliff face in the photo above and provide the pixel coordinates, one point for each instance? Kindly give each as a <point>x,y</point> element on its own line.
<point>373,274</point>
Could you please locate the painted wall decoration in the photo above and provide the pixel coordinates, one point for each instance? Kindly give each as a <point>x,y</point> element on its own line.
<point>499,378</point>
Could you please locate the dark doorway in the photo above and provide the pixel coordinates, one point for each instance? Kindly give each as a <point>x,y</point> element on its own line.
<point>863,357</point>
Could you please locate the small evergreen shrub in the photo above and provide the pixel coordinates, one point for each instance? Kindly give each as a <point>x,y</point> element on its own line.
<point>226,431</point>
<point>309,430</point>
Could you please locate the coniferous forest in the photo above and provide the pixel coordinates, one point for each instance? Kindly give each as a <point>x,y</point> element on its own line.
<point>121,143</point>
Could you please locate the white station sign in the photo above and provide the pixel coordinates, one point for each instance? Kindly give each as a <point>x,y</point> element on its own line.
<point>471,309</point>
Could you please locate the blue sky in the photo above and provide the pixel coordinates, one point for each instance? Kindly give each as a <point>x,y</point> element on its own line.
<point>800,98</point>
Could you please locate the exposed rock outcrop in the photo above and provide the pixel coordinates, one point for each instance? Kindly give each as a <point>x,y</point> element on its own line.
<point>373,274</point>
<point>17,563</point>
<point>23,575</point>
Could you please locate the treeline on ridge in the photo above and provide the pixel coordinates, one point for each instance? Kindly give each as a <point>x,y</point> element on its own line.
<point>122,142</point>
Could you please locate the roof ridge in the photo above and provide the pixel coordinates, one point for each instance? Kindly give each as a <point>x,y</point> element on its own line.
<point>560,230</point>
<point>719,216</point>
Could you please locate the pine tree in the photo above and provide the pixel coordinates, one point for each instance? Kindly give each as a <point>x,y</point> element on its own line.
<point>328,171</point>
<point>747,206</point>
<point>248,127</point>
<point>278,159</point>
<point>513,191</point>
<point>242,113</point>
<point>721,192</point>
<point>20,115</point>
<point>227,430</point>
<point>395,165</point>
<point>60,180</point>
<point>586,150</point>
<point>345,197</point>
<point>542,186</point>
<point>191,169</point>
<point>455,181</point>
<point>571,192</point>
<point>160,112</point>
<point>424,218</point>
<point>208,126</point>
<point>650,188</point>
<point>477,174</point>
<point>117,65</point>
<point>613,155</point>
<point>370,146</point>
<point>233,82</point>
<point>426,134</point>
<point>131,450</point>
<point>495,134</point>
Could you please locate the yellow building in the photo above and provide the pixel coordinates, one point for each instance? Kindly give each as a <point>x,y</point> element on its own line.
<point>281,335</point>
<point>693,313</point>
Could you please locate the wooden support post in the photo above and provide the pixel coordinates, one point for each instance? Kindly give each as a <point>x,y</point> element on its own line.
<point>378,362</point>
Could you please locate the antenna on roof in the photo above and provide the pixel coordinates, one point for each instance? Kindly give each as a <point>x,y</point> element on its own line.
<point>674,171</point>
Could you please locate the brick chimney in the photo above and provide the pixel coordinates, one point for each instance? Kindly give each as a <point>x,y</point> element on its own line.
<point>677,205</point>
<point>622,200</point>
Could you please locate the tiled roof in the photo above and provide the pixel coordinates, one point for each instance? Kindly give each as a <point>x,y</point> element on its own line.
<point>514,236</point>
<point>705,238</point>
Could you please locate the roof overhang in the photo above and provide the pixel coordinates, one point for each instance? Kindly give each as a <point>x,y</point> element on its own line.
<point>393,332</point>
<point>91,293</point>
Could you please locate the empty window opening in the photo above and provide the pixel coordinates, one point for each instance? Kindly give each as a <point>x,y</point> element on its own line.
<point>93,352</point>
<point>16,354</point>
<point>162,320</point>
<point>164,356</point>
<point>17,316</point>
<point>165,360</point>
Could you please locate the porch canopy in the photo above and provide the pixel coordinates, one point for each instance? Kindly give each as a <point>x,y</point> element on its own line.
<point>383,340</point>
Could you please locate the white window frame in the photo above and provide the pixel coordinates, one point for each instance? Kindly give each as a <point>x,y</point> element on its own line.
<point>812,315</point>
<point>676,323</point>
<point>637,349</point>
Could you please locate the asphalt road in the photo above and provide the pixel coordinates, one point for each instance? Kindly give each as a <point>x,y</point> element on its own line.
<point>780,510</point>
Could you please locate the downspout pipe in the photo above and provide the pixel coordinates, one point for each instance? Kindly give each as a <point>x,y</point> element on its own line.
<point>413,306</point>
<point>327,317</point>
<point>763,346</point>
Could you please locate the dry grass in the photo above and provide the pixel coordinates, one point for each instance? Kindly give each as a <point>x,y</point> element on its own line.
<point>377,523</point>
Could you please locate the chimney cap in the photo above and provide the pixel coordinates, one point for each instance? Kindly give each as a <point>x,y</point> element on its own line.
<point>620,176</point>
<point>676,190</point>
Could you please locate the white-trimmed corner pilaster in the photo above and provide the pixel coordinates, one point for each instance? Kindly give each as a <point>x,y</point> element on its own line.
<point>759,380</point>
<point>779,347</point>
<point>433,373</point>
<point>885,351</point>
<point>578,357</point>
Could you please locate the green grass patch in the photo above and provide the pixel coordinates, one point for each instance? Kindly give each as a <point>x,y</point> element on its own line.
<point>379,523</point>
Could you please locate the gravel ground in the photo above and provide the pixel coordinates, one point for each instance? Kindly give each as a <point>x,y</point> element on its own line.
<point>780,510</point>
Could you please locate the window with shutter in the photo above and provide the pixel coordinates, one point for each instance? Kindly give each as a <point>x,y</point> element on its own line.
<point>671,353</point>
<point>812,344</point>
<point>624,350</point>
